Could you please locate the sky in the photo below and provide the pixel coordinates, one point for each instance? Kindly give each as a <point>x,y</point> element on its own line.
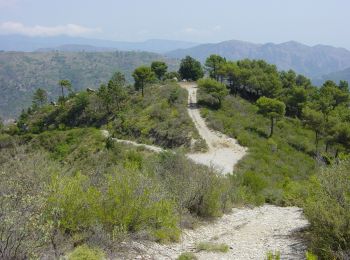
<point>260,21</point>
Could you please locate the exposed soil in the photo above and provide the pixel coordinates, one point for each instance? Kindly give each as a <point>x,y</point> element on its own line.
<point>223,152</point>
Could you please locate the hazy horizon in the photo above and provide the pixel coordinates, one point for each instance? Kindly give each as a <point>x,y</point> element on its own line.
<point>311,23</point>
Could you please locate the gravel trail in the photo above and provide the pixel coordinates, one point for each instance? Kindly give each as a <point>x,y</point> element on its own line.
<point>223,152</point>
<point>249,233</point>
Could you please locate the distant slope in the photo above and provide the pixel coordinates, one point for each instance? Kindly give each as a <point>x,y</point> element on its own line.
<point>21,73</point>
<point>26,43</point>
<point>77,48</point>
<point>336,76</point>
<point>311,61</point>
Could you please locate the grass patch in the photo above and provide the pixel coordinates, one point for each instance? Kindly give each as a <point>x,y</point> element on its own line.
<point>273,256</point>
<point>187,256</point>
<point>212,247</point>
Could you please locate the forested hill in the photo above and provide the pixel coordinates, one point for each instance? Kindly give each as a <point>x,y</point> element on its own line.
<point>22,73</point>
<point>313,62</point>
<point>336,76</point>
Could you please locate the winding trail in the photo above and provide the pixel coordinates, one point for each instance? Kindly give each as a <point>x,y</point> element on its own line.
<point>249,233</point>
<point>223,152</point>
<point>152,148</point>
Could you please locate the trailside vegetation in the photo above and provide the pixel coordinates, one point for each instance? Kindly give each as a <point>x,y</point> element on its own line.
<point>81,192</point>
<point>190,69</point>
<point>302,159</point>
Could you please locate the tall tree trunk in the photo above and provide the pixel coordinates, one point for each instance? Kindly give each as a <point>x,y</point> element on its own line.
<point>316,141</point>
<point>272,125</point>
<point>62,91</point>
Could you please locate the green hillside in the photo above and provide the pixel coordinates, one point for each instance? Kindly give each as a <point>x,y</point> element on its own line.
<point>22,73</point>
<point>67,186</point>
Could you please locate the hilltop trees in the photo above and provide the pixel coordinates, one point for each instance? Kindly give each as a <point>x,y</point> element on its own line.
<point>65,84</point>
<point>213,64</point>
<point>39,97</point>
<point>323,110</point>
<point>314,120</point>
<point>214,92</point>
<point>114,93</point>
<point>271,108</point>
<point>190,69</point>
<point>159,68</point>
<point>142,76</point>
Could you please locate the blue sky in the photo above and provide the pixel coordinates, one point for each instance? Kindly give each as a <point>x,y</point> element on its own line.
<point>307,21</point>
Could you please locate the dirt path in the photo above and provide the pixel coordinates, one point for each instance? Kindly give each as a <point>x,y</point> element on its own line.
<point>152,148</point>
<point>223,152</point>
<point>250,234</point>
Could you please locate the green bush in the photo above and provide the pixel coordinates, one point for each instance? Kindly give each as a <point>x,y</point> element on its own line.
<point>264,173</point>
<point>310,256</point>
<point>211,92</point>
<point>327,207</point>
<point>86,253</point>
<point>212,247</point>
<point>187,256</point>
<point>273,256</point>
<point>194,188</point>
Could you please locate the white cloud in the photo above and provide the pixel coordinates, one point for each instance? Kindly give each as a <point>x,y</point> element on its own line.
<point>38,30</point>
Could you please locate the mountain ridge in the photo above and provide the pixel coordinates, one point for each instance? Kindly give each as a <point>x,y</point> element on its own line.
<point>312,61</point>
<point>30,44</point>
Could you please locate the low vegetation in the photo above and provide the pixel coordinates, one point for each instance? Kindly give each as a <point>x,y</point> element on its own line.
<point>21,73</point>
<point>67,188</point>
<point>158,117</point>
<point>187,256</point>
<point>304,161</point>
<point>75,190</point>
<point>212,247</point>
<point>86,253</point>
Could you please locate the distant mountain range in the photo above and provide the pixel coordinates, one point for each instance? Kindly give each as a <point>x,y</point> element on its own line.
<point>313,62</point>
<point>29,44</point>
<point>76,48</point>
<point>21,73</point>
<point>41,61</point>
<point>335,76</point>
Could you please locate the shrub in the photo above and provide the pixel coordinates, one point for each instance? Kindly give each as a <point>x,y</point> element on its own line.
<point>211,93</point>
<point>310,256</point>
<point>212,247</point>
<point>24,230</point>
<point>273,256</point>
<point>187,256</point>
<point>194,188</point>
<point>327,207</point>
<point>254,181</point>
<point>86,253</point>
<point>264,173</point>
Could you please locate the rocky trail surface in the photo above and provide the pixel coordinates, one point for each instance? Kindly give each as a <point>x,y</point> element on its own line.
<point>223,152</point>
<point>250,233</point>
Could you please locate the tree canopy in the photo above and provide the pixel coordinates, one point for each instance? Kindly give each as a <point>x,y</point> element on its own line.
<point>159,68</point>
<point>214,92</point>
<point>190,69</point>
<point>65,84</point>
<point>271,108</point>
<point>213,64</point>
<point>142,76</point>
<point>39,97</point>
